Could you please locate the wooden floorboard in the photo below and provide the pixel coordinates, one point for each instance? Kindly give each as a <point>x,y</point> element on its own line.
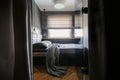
<point>73,73</point>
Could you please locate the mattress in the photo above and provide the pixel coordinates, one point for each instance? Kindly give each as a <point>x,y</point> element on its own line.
<point>36,54</point>
<point>64,48</point>
<point>70,48</point>
<point>70,54</point>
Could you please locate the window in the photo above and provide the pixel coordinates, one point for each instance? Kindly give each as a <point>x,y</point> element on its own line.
<point>78,33</point>
<point>63,26</point>
<point>59,33</point>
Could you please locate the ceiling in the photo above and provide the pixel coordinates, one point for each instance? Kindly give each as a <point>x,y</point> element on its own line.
<point>48,5</point>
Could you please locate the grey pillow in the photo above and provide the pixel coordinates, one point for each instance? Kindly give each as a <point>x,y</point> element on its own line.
<point>42,45</point>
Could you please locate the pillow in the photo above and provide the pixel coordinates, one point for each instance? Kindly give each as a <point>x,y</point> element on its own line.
<point>42,45</point>
<point>47,42</point>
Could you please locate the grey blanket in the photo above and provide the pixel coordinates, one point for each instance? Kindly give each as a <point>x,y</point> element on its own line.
<point>52,62</point>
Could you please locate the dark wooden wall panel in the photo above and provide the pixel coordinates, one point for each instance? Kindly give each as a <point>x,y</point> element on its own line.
<point>6,41</point>
<point>97,55</point>
<point>21,71</point>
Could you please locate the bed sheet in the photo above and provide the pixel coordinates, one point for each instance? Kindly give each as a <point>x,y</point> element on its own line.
<point>70,46</point>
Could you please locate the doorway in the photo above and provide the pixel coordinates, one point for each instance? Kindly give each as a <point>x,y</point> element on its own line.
<point>66,28</point>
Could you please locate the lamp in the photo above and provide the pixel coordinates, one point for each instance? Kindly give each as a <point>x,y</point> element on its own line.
<point>59,4</point>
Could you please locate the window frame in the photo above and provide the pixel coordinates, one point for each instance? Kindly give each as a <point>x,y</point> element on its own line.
<point>46,14</point>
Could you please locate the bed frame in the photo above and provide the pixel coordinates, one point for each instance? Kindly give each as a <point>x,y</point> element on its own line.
<point>38,54</point>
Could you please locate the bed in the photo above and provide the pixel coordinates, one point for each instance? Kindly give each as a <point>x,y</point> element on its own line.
<point>70,53</point>
<point>58,55</point>
<point>70,48</point>
<point>40,50</point>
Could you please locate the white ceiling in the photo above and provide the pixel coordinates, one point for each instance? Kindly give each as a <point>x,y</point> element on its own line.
<point>71,5</point>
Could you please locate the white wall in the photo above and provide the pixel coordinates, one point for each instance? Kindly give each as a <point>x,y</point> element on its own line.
<point>85,25</point>
<point>85,30</point>
<point>36,28</point>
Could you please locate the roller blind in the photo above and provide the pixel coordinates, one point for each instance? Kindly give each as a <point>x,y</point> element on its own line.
<point>59,21</point>
<point>77,20</point>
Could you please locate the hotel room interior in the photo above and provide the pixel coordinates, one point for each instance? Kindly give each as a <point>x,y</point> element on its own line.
<point>60,39</point>
<point>53,40</point>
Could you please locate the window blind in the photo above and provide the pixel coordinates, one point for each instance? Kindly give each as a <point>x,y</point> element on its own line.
<point>59,21</point>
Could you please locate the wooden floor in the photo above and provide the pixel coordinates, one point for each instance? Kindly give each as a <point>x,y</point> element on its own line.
<point>72,74</point>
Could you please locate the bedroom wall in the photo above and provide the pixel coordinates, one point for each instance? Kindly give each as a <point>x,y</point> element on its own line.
<point>36,23</point>
<point>85,30</point>
<point>85,24</point>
